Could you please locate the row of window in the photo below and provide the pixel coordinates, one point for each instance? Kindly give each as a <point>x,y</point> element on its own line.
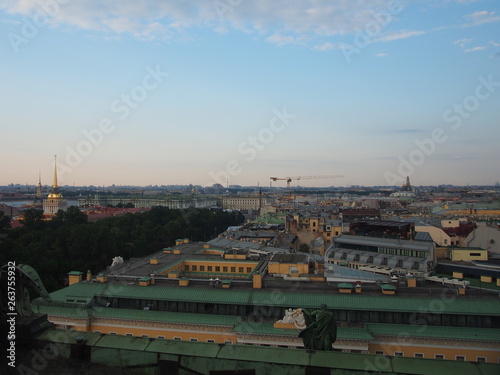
<point>276,312</point>
<point>384,262</point>
<point>377,352</point>
<point>162,337</point>
<point>194,267</point>
<point>403,252</point>
<point>436,356</point>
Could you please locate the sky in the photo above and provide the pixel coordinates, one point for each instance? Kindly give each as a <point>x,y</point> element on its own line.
<point>130,92</point>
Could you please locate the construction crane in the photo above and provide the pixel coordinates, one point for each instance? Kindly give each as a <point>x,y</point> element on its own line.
<point>290,179</point>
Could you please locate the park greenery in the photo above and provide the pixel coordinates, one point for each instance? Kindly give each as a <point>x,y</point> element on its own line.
<point>69,242</point>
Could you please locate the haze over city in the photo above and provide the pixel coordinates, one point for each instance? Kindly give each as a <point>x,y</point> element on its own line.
<point>159,93</point>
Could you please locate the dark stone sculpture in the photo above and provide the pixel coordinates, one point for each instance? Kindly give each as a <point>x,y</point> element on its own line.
<point>321,330</point>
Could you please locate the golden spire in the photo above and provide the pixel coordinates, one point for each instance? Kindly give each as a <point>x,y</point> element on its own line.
<point>55,189</point>
<point>55,173</point>
<point>39,187</point>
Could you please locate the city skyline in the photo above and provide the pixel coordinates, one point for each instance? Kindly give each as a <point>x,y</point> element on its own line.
<point>201,93</point>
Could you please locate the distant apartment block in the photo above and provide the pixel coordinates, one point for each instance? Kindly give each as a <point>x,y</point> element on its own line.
<point>170,202</point>
<point>243,202</point>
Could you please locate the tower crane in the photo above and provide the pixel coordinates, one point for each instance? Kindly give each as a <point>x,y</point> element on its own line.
<point>290,179</point>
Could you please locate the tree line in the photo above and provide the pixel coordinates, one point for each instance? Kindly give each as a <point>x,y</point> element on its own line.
<point>69,242</point>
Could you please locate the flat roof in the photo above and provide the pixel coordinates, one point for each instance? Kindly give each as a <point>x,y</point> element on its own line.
<point>384,242</point>
<point>340,273</point>
<point>286,299</point>
<point>289,258</point>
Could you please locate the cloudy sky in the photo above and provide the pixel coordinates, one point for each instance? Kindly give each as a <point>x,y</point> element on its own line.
<point>133,92</point>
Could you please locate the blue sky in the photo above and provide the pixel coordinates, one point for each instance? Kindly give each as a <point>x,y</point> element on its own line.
<point>179,92</point>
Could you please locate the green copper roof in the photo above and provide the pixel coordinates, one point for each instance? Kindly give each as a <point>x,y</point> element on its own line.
<point>73,311</point>
<point>166,316</point>
<point>468,333</point>
<point>387,287</point>
<point>276,297</point>
<point>345,286</point>
<point>340,363</point>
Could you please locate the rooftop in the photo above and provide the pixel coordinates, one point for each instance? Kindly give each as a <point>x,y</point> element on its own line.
<point>275,358</point>
<point>286,298</point>
<point>289,258</point>
<point>384,242</point>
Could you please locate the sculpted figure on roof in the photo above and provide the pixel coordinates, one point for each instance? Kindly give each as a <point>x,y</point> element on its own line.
<point>321,330</point>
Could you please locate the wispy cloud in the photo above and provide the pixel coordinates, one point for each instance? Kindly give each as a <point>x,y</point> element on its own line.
<point>474,49</point>
<point>398,35</point>
<point>480,18</point>
<point>327,46</point>
<point>160,19</point>
<point>462,42</point>
<point>281,40</point>
<point>381,54</point>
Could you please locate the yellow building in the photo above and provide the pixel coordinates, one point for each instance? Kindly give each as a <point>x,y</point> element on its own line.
<point>467,255</point>
<point>289,264</point>
<point>170,299</point>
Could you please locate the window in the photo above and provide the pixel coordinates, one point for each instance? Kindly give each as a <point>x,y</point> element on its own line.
<point>112,333</point>
<point>193,268</point>
<point>379,352</point>
<point>481,359</point>
<point>233,269</point>
<point>224,269</point>
<point>439,356</point>
<point>202,268</point>
<point>129,334</point>
<point>193,340</point>
<point>178,338</point>
<point>460,358</point>
<point>399,354</point>
<point>446,242</point>
<point>399,263</point>
<point>161,337</point>
<point>240,270</point>
<point>144,335</point>
<point>475,254</point>
<point>384,262</point>
<point>97,331</point>
<point>344,256</point>
<point>186,268</point>
<point>249,269</point>
<point>419,355</point>
<point>356,258</point>
<point>328,234</point>
<point>228,342</point>
<point>415,265</point>
<point>217,269</point>
<point>370,259</point>
<point>336,232</point>
<point>209,268</point>
<point>210,340</point>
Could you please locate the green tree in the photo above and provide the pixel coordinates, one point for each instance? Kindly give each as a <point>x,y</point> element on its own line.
<point>75,216</point>
<point>33,218</point>
<point>4,222</point>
